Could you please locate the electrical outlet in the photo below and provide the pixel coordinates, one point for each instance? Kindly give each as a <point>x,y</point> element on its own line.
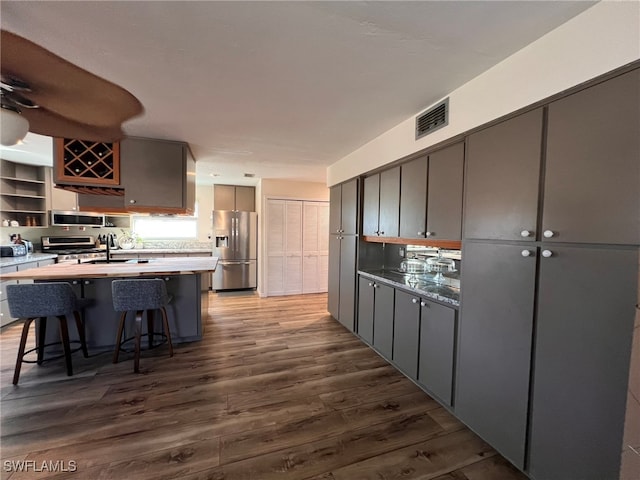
<point>401,252</point>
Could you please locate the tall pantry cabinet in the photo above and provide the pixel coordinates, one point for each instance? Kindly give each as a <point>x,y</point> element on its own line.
<point>550,264</point>
<point>343,241</point>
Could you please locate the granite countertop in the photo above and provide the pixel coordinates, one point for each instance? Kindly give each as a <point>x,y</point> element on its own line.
<point>121,251</point>
<point>423,285</point>
<point>31,257</point>
<point>160,266</point>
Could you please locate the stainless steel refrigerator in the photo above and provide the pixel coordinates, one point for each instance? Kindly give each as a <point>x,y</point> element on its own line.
<point>235,243</point>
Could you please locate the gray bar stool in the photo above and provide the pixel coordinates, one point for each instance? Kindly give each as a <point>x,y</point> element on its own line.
<point>42,300</point>
<point>140,295</point>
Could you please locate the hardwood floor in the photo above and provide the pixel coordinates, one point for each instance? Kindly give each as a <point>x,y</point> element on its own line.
<point>276,390</point>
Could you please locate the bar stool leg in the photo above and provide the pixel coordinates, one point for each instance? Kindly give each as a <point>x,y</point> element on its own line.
<point>23,343</point>
<point>64,335</point>
<point>167,332</point>
<point>136,359</point>
<point>150,327</point>
<point>80,327</point>
<point>41,326</point>
<point>116,353</point>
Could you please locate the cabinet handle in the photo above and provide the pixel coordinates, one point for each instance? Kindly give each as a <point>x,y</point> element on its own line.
<point>525,233</point>
<point>423,304</point>
<point>428,234</point>
<point>414,300</point>
<point>132,201</point>
<point>525,253</point>
<point>548,233</point>
<point>547,253</point>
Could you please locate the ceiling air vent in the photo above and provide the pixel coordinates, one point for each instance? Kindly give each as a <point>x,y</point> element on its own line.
<point>433,119</point>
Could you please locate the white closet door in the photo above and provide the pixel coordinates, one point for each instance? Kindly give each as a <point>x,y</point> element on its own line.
<point>293,248</point>
<point>275,233</point>
<point>315,247</point>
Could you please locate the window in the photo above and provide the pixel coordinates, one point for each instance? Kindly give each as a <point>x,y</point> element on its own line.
<point>156,228</point>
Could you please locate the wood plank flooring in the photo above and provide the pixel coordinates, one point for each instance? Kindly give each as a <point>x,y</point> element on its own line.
<point>276,390</point>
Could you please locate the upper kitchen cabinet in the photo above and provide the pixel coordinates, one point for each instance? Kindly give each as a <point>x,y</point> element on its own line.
<point>343,208</point>
<point>413,198</point>
<point>444,193</point>
<point>381,204</point>
<point>84,163</point>
<point>234,197</point>
<point>158,176</point>
<point>592,173</point>
<point>502,179</point>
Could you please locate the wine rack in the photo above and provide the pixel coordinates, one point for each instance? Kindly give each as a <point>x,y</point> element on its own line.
<point>81,162</point>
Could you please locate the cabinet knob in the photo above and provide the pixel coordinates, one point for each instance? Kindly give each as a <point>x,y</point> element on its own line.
<point>132,201</point>
<point>414,300</point>
<point>525,233</point>
<point>371,284</point>
<point>381,233</point>
<point>526,253</point>
<point>421,234</point>
<point>428,234</point>
<point>423,304</point>
<point>548,233</point>
<point>375,285</point>
<point>547,253</point>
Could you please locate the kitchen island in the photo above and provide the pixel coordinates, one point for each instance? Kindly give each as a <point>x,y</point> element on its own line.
<point>93,281</point>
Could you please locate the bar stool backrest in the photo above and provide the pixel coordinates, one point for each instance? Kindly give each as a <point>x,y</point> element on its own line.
<point>41,299</point>
<point>139,294</point>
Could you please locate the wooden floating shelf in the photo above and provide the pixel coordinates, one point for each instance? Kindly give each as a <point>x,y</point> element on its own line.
<point>424,242</point>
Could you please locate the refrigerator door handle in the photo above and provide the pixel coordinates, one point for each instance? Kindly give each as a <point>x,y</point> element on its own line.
<point>223,262</point>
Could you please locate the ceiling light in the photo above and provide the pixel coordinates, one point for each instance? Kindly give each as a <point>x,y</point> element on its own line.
<point>13,126</point>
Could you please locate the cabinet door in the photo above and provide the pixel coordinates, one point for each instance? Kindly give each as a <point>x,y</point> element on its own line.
<point>592,174</point>
<point>101,203</point>
<point>389,220</point>
<point>496,322</point>
<point>371,205</point>
<point>406,333</point>
<point>153,173</point>
<point>583,344</point>
<point>383,320</point>
<point>333,292</point>
<point>335,209</point>
<point>348,281</point>
<point>365,309</point>
<point>413,198</point>
<point>437,349</point>
<point>444,213</point>
<point>63,200</point>
<point>245,199</point>
<point>349,207</point>
<point>224,197</point>
<point>502,179</point>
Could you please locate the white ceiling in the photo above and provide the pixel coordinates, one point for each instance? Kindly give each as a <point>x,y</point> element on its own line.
<point>280,89</point>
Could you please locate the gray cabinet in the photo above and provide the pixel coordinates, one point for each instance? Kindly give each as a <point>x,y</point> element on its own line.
<point>343,208</point>
<point>158,176</point>
<point>444,201</point>
<point>381,204</point>
<point>413,198</point>
<point>437,349</point>
<point>342,279</point>
<point>583,339</point>
<point>383,319</point>
<point>502,179</point>
<point>375,315</point>
<point>592,172</point>
<point>495,338</point>
<point>234,197</point>
<point>406,334</point>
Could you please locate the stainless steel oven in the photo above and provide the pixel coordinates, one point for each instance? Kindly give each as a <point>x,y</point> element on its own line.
<point>73,248</point>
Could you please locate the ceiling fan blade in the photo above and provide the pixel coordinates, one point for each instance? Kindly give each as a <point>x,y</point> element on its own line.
<point>64,88</point>
<point>51,124</point>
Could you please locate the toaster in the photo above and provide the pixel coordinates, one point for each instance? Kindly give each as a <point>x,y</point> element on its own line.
<point>13,250</point>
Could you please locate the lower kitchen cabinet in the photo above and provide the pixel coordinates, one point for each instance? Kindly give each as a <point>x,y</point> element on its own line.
<point>406,333</point>
<point>366,295</point>
<point>584,328</point>
<point>342,279</point>
<point>383,319</point>
<point>494,359</point>
<point>437,349</point>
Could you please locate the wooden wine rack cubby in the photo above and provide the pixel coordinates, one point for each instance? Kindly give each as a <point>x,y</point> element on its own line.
<point>80,162</point>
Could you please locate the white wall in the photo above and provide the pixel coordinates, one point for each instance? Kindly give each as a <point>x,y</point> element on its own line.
<point>600,39</point>
<point>204,199</point>
<point>283,189</point>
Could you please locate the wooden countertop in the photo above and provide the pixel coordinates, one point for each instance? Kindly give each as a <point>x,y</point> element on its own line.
<point>159,266</point>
